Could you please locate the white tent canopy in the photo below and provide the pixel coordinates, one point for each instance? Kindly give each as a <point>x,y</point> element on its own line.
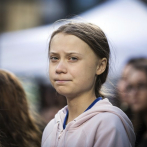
<point>123,21</point>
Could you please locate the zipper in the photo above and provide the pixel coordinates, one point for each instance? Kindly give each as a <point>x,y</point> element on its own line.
<point>60,134</point>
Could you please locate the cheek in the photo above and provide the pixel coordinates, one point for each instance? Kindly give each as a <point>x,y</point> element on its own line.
<point>51,73</point>
<point>142,102</point>
<point>83,74</point>
<point>143,98</point>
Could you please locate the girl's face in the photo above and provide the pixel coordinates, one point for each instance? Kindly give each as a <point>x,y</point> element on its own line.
<point>73,65</point>
<point>137,90</point>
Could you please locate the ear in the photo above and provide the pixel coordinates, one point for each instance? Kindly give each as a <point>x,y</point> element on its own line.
<point>101,66</point>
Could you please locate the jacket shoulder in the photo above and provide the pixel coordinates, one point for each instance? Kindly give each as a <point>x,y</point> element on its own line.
<point>109,118</point>
<point>48,129</point>
<point>111,129</point>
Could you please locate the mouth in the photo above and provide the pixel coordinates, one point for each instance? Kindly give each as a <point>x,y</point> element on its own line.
<point>61,81</point>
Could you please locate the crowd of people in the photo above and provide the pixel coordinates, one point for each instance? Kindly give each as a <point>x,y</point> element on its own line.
<point>79,65</point>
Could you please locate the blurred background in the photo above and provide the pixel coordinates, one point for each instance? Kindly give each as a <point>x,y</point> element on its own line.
<point>26,26</point>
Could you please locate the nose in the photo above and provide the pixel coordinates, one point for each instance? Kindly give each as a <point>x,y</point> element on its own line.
<point>61,67</point>
<point>133,95</point>
<point>134,92</point>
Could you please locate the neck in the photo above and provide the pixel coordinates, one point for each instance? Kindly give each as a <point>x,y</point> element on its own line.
<point>78,105</point>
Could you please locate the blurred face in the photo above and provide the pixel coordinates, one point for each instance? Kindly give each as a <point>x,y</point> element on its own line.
<point>123,83</point>
<point>73,65</point>
<point>137,90</point>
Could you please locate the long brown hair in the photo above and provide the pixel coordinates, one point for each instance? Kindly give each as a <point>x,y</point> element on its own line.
<point>96,39</point>
<point>17,125</point>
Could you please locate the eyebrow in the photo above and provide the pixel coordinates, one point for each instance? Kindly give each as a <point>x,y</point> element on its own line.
<point>70,53</point>
<point>53,53</point>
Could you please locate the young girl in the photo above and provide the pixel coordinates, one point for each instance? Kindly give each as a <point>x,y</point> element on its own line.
<point>79,64</point>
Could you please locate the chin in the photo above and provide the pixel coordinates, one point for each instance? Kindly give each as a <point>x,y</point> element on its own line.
<point>66,94</point>
<point>61,92</point>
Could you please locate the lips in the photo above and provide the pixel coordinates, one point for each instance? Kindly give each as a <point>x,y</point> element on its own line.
<point>61,81</point>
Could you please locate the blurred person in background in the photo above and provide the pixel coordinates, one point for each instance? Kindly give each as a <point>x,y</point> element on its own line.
<point>121,92</point>
<point>137,93</point>
<point>17,125</point>
<point>51,102</point>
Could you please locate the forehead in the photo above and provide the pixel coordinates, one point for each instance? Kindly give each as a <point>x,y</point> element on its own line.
<point>127,71</point>
<point>62,41</point>
<point>138,76</point>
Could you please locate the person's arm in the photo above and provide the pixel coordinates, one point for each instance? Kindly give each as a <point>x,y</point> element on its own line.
<point>111,132</point>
